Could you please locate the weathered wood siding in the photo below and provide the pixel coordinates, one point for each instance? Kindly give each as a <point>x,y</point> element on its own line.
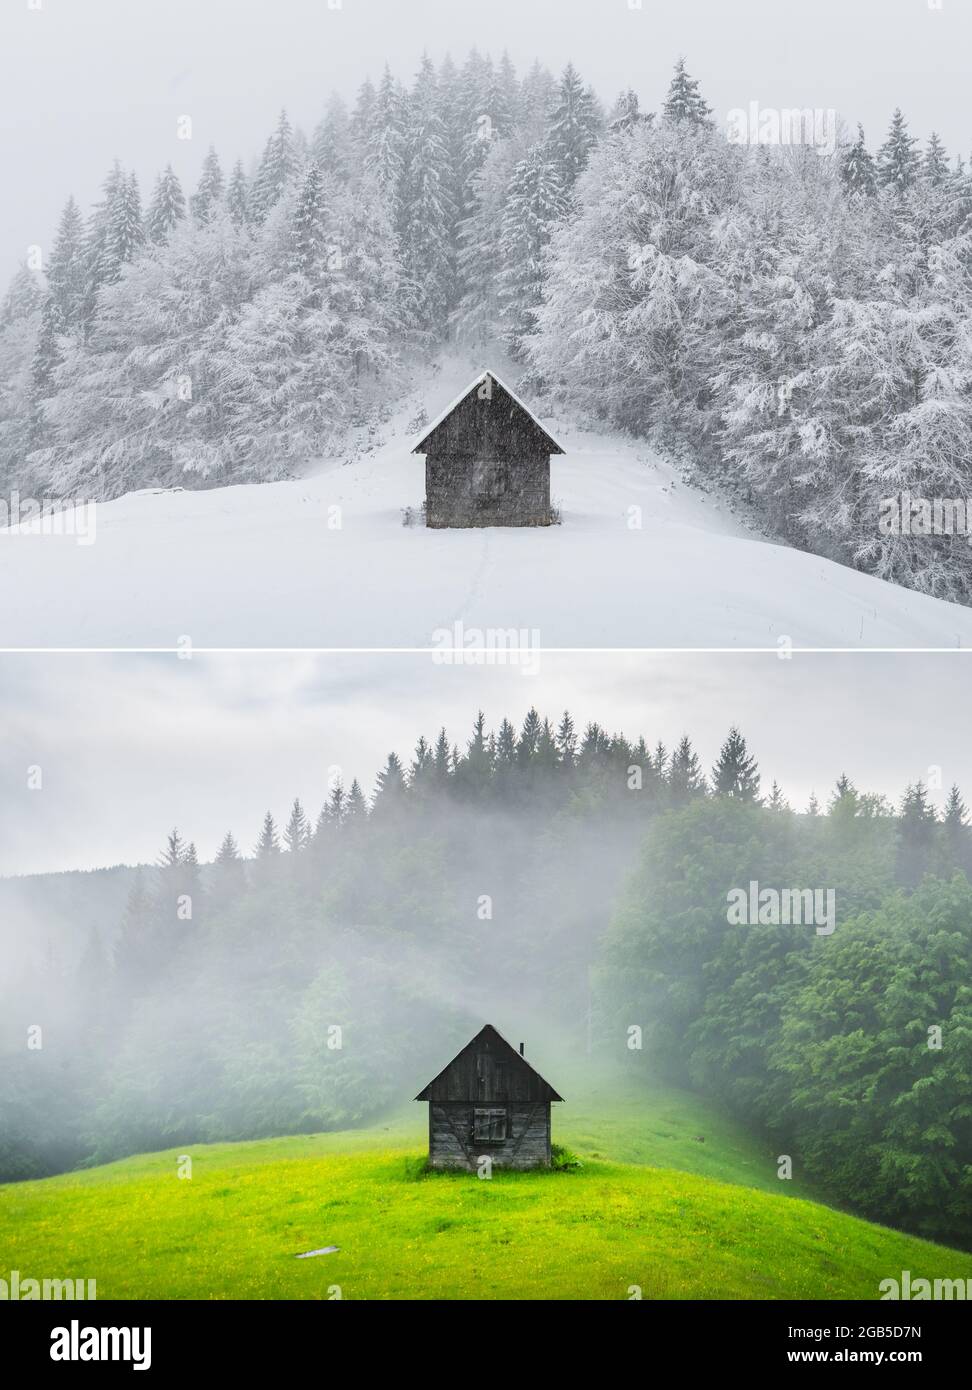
<point>464,491</point>
<point>452,1143</point>
<point>489,1101</point>
<point>487,464</point>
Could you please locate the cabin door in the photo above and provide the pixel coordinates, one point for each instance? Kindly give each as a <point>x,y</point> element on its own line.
<point>490,481</point>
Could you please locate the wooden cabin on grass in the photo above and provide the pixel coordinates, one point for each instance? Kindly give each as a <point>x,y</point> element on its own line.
<point>490,1102</point>
<point>487,461</point>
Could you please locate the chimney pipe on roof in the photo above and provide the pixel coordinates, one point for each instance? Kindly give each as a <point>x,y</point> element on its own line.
<point>521,1049</point>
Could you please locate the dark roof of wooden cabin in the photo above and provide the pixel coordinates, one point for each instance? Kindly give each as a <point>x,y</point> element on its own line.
<point>489,1038</point>
<point>501,403</point>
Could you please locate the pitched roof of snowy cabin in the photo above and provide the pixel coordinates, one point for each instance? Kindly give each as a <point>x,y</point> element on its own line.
<point>555,448</point>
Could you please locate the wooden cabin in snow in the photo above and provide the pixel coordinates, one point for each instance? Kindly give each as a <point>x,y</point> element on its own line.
<point>489,1101</point>
<point>487,461</point>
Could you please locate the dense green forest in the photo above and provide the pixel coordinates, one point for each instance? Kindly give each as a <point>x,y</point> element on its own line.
<point>574,883</point>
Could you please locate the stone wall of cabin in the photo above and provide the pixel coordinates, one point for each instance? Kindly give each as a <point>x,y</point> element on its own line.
<point>451,1144</point>
<point>454,497</point>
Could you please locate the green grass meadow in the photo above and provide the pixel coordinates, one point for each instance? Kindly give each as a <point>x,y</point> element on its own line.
<point>671,1197</point>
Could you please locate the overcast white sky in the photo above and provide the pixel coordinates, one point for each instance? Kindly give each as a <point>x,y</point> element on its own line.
<point>131,745</point>
<point>84,81</point>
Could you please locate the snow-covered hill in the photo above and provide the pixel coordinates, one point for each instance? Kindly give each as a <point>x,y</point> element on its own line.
<point>267,566</point>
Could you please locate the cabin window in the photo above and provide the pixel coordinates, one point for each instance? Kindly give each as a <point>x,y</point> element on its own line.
<point>489,1126</point>
<point>500,1080</point>
<point>489,480</point>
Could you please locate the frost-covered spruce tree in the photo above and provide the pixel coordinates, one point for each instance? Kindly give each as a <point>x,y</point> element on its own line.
<point>331,145</point>
<point>277,170</point>
<point>96,253</point>
<point>635,310</point>
<point>857,171</point>
<point>61,313</point>
<point>360,122</point>
<point>24,295</point>
<point>574,128</point>
<point>125,232</point>
<point>898,161</point>
<point>386,152</point>
<point>684,101</point>
<point>454,174</point>
<point>209,194</point>
<point>308,233</point>
<point>168,206</point>
<point>427,251</point>
<point>473,122</point>
<point>20,326</point>
<point>481,263</point>
<point>140,401</point>
<point>934,162</point>
<point>538,97</point>
<point>505,98</point>
<point>894,387</point>
<point>66,267</point>
<point>776,421</point>
<point>536,201</point>
<point>238,195</point>
<point>373,307</point>
<point>625,112</point>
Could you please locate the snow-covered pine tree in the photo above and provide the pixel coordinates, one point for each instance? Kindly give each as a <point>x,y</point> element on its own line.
<point>24,295</point>
<point>684,101</point>
<point>934,163</point>
<point>427,250</point>
<point>857,172</point>
<point>472,122</point>
<point>477,319</point>
<point>111,236</point>
<point>209,193</point>
<point>331,145</point>
<point>309,238</point>
<point>168,206</point>
<point>238,195</point>
<point>575,124</point>
<point>449,100</point>
<point>538,97</point>
<point>625,112</point>
<point>635,311</point>
<point>27,318</point>
<point>506,102</point>
<point>386,153</point>
<point>898,161</point>
<point>536,201</point>
<point>277,170</point>
<point>125,231</point>
<point>367,294</point>
<point>66,268</point>
<point>360,123</point>
<point>138,402</point>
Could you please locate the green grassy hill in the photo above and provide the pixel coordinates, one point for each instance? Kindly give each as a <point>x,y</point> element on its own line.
<point>671,1197</point>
